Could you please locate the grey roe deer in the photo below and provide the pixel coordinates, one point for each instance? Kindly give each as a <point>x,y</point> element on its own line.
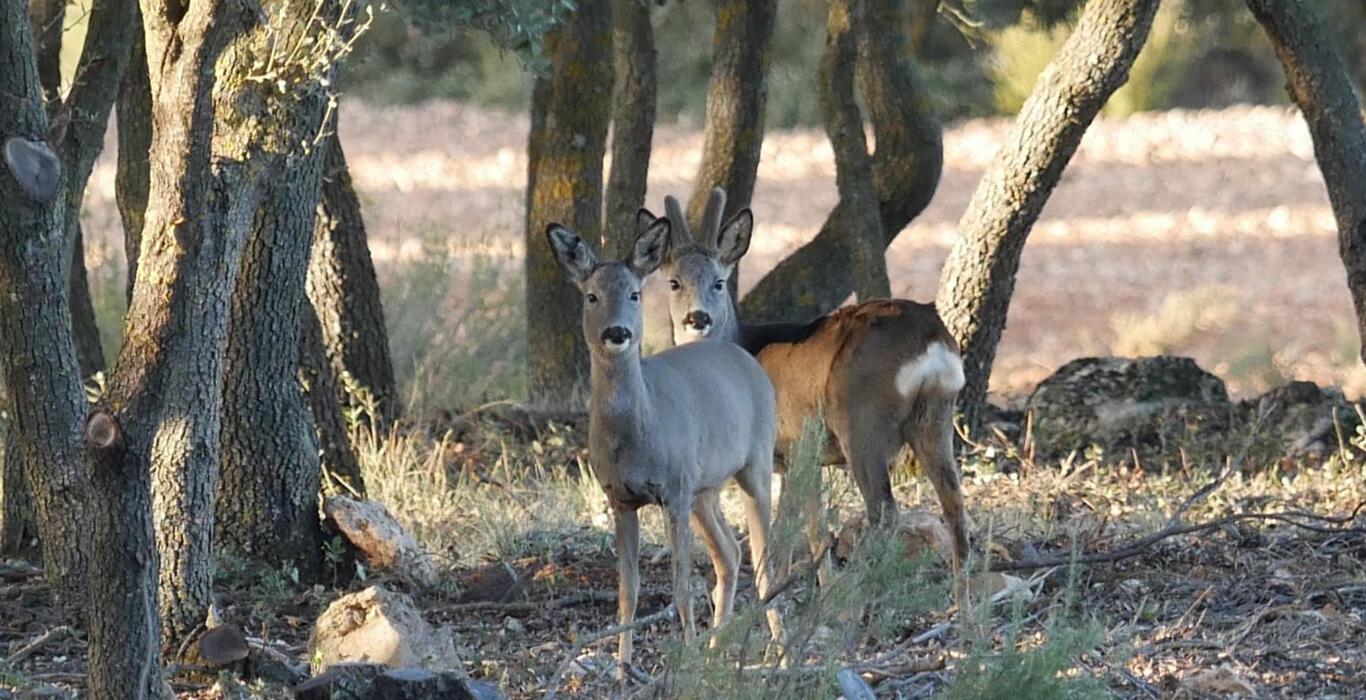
<point>883,373</point>
<point>670,430</point>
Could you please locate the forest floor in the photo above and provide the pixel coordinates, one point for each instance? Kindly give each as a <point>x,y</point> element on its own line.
<point>1204,234</point>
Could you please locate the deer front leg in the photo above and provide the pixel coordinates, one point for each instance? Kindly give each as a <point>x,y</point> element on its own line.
<point>628,582</point>
<point>681,535</point>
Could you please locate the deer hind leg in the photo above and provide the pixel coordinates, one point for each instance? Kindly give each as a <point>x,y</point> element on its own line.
<point>929,429</point>
<point>868,451</point>
<point>756,481</point>
<point>725,554</point>
<point>628,582</point>
<point>680,536</point>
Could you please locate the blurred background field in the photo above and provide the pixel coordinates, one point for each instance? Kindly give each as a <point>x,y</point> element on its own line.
<point>1204,233</point>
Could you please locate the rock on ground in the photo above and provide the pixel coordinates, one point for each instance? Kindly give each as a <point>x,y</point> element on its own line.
<point>377,625</point>
<point>383,543</point>
<point>1150,405</point>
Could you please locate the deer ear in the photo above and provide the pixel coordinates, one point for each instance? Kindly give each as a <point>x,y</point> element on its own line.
<point>733,241</point>
<point>644,218</point>
<point>651,246</point>
<point>571,252</point>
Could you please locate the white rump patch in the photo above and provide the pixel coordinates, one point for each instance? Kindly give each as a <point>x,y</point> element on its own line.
<point>939,366</point>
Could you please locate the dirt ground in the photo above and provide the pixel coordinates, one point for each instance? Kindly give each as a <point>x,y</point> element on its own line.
<point>1153,206</point>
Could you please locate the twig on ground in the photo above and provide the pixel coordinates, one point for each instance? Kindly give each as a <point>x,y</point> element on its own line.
<point>532,606</point>
<point>28,649</point>
<point>599,636</point>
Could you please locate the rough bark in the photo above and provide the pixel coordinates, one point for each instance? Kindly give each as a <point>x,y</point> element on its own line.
<point>979,275</point>
<point>345,293</point>
<point>18,524</point>
<point>1320,84</point>
<point>46,20</point>
<point>736,97</point>
<point>570,107</point>
<point>633,121</point>
<point>37,353</point>
<point>906,168</point>
<point>125,648</point>
<point>135,141</point>
<point>853,168</point>
<point>83,120</point>
<point>340,467</point>
<point>165,392</point>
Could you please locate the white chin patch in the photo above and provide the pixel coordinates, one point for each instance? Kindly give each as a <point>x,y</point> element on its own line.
<point>616,347</point>
<point>696,334</point>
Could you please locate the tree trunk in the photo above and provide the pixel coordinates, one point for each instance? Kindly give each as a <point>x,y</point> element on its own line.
<point>853,169</point>
<point>135,143</point>
<point>570,106</point>
<point>83,120</point>
<point>37,354</point>
<point>633,121</point>
<point>979,276</point>
<point>345,293</point>
<point>46,20</point>
<point>125,647</point>
<point>736,97</point>
<point>271,474</point>
<point>340,468</point>
<point>906,168</point>
<point>18,525</point>
<point>165,393</point>
<point>1319,83</point>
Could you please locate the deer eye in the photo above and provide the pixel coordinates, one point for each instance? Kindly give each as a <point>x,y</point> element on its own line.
<point>719,285</point>
<point>592,298</point>
<point>674,285</point>
<point>635,296</point>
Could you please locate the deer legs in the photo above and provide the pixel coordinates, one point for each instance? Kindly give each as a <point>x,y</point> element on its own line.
<point>628,581</point>
<point>755,481</point>
<point>930,432</point>
<point>680,537</point>
<point>725,554</point>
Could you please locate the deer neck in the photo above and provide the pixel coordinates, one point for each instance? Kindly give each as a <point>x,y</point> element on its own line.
<point>620,401</point>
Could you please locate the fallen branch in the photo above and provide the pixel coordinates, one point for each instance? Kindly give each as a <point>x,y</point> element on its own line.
<point>532,606</point>
<point>599,636</point>
<point>28,649</point>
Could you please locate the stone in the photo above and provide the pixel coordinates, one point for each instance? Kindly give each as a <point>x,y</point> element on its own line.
<point>377,625</point>
<point>497,582</point>
<point>1150,405</point>
<point>383,543</point>
<point>1221,681</point>
<point>35,167</point>
<point>273,666</point>
<point>419,684</point>
<point>1305,420</point>
<point>344,680</point>
<point>221,646</point>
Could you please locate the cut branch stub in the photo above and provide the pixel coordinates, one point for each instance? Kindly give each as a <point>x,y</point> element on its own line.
<point>35,167</point>
<point>102,432</point>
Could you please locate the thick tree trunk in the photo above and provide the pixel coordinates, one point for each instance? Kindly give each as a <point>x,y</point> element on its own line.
<point>125,642</point>
<point>165,393</point>
<point>633,121</point>
<point>37,354</point>
<point>906,168</point>
<point>340,467</point>
<point>271,474</point>
<point>345,293</point>
<point>135,142</point>
<point>853,168</point>
<point>570,107</point>
<point>736,97</point>
<point>1319,83</point>
<point>979,276</point>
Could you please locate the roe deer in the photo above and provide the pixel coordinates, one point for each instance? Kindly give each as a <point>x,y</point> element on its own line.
<point>883,373</point>
<point>670,430</point>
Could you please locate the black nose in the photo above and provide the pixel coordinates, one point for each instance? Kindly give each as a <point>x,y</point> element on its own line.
<point>697,319</point>
<point>616,335</point>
